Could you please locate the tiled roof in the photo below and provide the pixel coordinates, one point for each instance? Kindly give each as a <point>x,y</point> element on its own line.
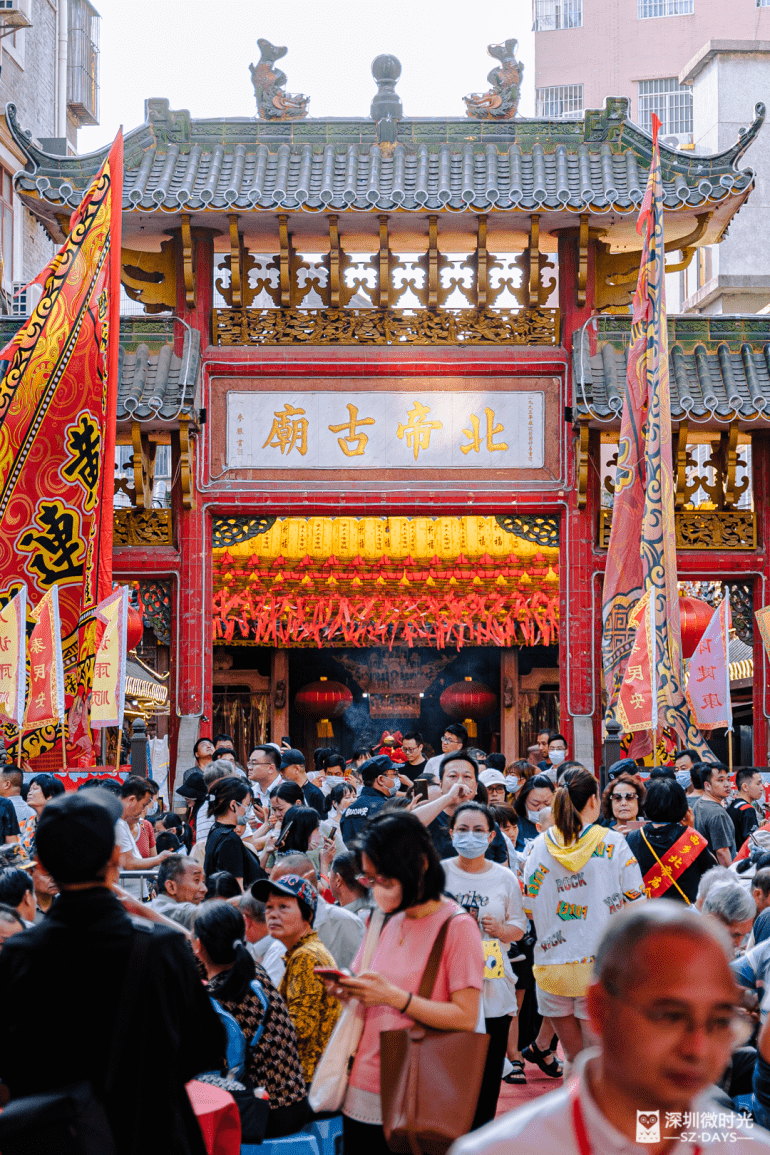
<point>159,385</point>
<point>155,384</point>
<point>174,163</point>
<point>718,366</point>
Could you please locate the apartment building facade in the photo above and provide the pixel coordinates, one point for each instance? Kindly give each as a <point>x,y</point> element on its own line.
<point>586,50</point>
<point>49,70</point>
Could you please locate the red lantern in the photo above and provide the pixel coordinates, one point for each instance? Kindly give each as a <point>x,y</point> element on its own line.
<point>323,700</point>
<point>468,701</point>
<point>134,628</point>
<point>695,615</point>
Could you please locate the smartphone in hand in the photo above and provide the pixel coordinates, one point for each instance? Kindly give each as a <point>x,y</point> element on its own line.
<point>420,787</point>
<point>330,973</point>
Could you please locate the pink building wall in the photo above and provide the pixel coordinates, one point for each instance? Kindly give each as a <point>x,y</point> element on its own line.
<point>615,49</point>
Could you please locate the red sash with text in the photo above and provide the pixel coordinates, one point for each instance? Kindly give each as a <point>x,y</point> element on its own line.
<point>667,869</point>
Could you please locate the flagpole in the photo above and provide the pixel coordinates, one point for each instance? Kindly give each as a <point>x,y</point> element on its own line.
<point>64,746</point>
<point>18,755</point>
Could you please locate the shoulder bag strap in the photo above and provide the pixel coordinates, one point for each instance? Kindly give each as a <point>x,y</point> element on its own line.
<point>430,974</point>
<point>373,931</point>
<point>135,972</point>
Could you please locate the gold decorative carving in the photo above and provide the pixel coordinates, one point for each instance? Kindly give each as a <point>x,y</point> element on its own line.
<point>150,278</point>
<point>143,461</point>
<point>582,281</point>
<point>582,464</point>
<point>617,273</point>
<point>185,461</point>
<point>236,298</point>
<point>715,475</point>
<point>142,527</point>
<point>538,326</point>
<point>188,261</point>
<point>706,529</point>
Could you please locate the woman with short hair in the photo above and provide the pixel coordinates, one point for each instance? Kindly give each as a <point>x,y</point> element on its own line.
<point>579,875</point>
<point>672,856</point>
<point>236,982</point>
<point>623,802</point>
<point>42,789</point>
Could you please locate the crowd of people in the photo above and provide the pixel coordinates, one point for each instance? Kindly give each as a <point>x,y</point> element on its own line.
<point>276,896</point>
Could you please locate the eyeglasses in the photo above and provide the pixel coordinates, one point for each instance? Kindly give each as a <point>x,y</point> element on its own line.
<point>723,1026</point>
<point>369,880</point>
<point>623,797</point>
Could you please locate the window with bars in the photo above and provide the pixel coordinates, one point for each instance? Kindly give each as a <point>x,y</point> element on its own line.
<point>650,9</point>
<point>670,101</point>
<point>763,3</point>
<point>6,224</point>
<point>552,14</point>
<point>561,102</point>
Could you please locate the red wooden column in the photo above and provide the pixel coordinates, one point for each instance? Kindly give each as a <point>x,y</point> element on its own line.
<point>761,479</point>
<point>193,630</point>
<point>579,676</point>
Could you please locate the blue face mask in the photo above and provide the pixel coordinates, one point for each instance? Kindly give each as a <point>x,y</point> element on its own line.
<point>470,845</point>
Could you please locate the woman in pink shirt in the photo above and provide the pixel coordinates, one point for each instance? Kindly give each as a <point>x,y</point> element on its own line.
<point>399,863</point>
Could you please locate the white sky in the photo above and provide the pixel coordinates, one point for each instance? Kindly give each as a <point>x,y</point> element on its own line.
<point>196,53</point>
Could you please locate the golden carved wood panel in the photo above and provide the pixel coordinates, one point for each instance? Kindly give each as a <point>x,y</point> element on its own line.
<point>706,529</point>
<point>142,527</point>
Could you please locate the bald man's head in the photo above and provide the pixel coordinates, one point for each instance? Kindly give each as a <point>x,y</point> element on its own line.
<point>296,864</point>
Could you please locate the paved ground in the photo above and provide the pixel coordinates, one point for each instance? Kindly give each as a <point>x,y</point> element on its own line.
<point>537,1084</point>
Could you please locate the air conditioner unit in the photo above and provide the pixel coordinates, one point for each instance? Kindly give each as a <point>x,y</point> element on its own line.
<point>12,16</point>
<point>678,140</point>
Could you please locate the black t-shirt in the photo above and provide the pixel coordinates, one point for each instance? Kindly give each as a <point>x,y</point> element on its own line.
<point>407,770</point>
<point>744,819</point>
<point>661,839</point>
<point>225,851</point>
<point>314,797</point>
<point>9,823</point>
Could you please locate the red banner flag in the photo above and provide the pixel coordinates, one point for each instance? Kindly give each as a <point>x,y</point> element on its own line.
<point>45,704</point>
<point>13,658</point>
<point>708,686</point>
<point>637,705</point>
<point>643,507</point>
<point>57,437</point>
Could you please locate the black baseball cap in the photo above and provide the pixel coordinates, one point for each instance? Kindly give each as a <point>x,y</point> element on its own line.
<point>193,786</point>
<point>292,758</point>
<point>75,835</point>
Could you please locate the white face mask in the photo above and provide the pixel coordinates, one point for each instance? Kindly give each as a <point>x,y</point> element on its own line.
<point>511,783</point>
<point>557,756</point>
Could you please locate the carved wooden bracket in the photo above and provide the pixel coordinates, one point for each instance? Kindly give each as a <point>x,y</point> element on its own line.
<point>143,461</point>
<point>582,464</point>
<point>383,257</point>
<point>188,261</point>
<point>680,456</point>
<point>284,258</point>
<point>617,273</point>
<point>582,280</point>
<point>150,278</point>
<point>185,461</point>
<point>236,263</point>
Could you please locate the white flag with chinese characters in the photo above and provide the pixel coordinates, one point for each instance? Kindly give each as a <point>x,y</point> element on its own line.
<point>708,686</point>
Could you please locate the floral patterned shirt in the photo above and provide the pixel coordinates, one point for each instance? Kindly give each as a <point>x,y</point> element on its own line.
<point>313,1010</point>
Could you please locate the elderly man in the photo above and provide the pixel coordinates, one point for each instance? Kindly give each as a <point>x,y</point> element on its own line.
<point>663,1005</point>
<point>732,905</point>
<point>181,889</point>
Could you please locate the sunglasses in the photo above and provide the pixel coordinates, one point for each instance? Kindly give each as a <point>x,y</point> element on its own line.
<point>622,797</point>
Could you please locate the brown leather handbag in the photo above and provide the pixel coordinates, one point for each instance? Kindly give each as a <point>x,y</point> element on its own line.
<point>430,1080</point>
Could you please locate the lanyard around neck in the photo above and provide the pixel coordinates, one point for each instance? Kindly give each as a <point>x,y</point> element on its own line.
<point>581,1133</point>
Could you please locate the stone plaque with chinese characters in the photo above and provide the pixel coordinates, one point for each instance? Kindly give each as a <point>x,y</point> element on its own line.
<point>411,430</point>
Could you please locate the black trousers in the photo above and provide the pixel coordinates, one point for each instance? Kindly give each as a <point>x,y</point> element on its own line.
<point>363,1138</point>
<point>497,1029</point>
